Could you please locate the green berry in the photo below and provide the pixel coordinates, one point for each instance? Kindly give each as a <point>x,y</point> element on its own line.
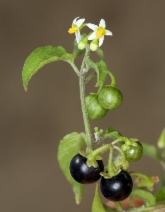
<point>110,97</point>
<point>134,153</point>
<point>94,110</point>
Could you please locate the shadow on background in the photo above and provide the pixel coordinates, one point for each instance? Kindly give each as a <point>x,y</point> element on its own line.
<point>33,123</point>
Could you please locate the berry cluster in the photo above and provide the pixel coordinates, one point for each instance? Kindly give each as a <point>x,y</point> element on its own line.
<point>109,98</point>
<point>115,186</point>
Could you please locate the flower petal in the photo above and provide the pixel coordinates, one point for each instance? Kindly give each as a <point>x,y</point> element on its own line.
<point>78,36</point>
<point>92,36</point>
<point>102,23</point>
<point>74,21</point>
<point>108,32</point>
<point>101,41</point>
<point>80,22</point>
<point>92,26</point>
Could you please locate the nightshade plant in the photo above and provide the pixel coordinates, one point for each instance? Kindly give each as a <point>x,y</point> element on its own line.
<point>79,159</point>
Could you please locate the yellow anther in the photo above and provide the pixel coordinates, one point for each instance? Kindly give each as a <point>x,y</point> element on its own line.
<point>100,32</point>
<point>73,29</point>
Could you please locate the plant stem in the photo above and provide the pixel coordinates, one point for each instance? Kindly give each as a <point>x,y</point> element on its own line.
<point>111,171</point>
<point>83,106</point>
<point>121,153</point>
<point>75,69</point>
<point>113,80</point>
<point>99,150</point>
<point>90,77</point>
<point>142,209</point>
<point>118,206</point>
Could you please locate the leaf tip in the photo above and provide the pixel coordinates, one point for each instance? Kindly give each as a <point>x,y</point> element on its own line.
<point>25,87</point>
<point>78,200</point>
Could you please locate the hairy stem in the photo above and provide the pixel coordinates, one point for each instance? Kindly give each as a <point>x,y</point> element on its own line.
<point>111,171</point>
<point>90,77</point>
<point>83,107</point>
<point>75,69</point>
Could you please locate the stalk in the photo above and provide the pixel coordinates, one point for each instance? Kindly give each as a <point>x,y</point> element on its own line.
<point>118,206</point>
<point>83,106</point>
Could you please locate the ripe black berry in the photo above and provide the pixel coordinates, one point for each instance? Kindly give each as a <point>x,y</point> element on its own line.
<point>82,173</point>
<point>118,187</point>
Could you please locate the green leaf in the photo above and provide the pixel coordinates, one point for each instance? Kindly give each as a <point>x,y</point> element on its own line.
<point>147,197</point>
<point>69,146</point>
<point>161,140</point>
<point>111,133</point>
<point>160,196</point>
<point>40,57</point>
<point>100,53</point>
<point>92,64</point>
<point>102,74</point>
<point>68,58</point>
<point>163,153</point>
<point>97,205</point>
<point>101,71</point>
<point>162,181</point>
<point>151,151</point>
<point>76,50</point>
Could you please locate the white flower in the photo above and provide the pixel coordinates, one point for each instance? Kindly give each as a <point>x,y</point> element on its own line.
<point>75,28</point>
<point>99,31</point>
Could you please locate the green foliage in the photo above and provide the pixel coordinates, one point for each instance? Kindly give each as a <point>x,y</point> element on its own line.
<point>68,58</point>
<point>151,151</point>
<point>143,180</point>
<point>100,53</point>
<point>91,64</point>
<point>160,196</point>
<point>161,140</point>
<point>162,181</point>
<point>102,74</point>
<point>69,146</point>
<point>40,57</point>
<point>97,205</point>
<point>100,69</point>
<point>111,133</point>
<point>146,196</point>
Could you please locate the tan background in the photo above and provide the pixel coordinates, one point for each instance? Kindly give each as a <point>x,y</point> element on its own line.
<point>32,123</point>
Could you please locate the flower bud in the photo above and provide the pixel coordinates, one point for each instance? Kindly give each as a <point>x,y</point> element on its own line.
<point>94,45</point>
<point>83,43</point>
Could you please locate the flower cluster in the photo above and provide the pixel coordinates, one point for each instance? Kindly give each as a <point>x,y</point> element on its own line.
<point>97,36</point>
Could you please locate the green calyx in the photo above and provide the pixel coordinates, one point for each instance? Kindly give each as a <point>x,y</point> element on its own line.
<point>94,155</point>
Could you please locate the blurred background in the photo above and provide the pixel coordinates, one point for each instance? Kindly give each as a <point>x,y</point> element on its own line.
<point>32,123</point>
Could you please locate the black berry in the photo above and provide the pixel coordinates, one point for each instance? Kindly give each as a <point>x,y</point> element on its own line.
<point>118,187</point>
<point>82,173</point>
